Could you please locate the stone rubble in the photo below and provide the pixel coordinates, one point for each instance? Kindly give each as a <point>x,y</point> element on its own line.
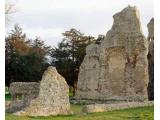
<point>119,106</point>
<point>21,95</point>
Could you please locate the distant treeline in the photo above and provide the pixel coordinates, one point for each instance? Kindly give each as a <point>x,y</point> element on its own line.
<point>26,59</point>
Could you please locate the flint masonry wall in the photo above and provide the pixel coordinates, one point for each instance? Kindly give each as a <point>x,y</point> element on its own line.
<point>118,67</point>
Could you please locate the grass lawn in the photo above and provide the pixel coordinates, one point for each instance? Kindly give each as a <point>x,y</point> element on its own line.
<point>143,113</point>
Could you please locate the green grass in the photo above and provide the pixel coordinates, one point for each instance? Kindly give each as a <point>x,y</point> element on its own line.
<point>7,97</point>
<point>142,113</point>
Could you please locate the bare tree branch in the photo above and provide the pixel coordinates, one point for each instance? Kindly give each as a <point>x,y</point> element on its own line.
<point>9,10</point>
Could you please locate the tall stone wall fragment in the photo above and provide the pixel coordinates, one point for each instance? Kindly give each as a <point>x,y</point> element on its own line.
<point>117,68</point>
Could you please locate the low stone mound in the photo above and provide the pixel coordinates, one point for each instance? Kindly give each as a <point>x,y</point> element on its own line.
<point>118,106</point>
<point>53,97</point>
<point>21,95</point>
<point>75,101</point>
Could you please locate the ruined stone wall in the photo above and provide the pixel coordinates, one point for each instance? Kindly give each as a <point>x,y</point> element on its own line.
<point>118,67</point>
<point>21,94</point>
<point>53,96</point>
<point>151,59</point>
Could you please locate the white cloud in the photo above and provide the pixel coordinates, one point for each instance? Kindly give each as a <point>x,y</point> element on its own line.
<point>44,32</point>
<point>82,5</point>
<point>49,18</point>
<point>53,36</point>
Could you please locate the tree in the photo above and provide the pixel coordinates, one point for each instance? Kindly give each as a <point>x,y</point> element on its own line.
<point>25,59</point>
<point>70,54</point>
<point>16,46</point>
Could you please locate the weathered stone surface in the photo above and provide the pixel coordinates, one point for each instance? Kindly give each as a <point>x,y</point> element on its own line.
<point>151,59</point>
<point>22,93</point>
<point>151,29</point>
<point>53,97</point>
<point>109,107</point>
<point>7,104</point>
<point>93,101</point>
<point>117,68</point>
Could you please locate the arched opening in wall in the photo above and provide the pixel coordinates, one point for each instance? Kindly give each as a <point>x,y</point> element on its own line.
<point>116,64</point>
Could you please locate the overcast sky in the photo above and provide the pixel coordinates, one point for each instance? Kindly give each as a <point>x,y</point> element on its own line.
<point>48,19</point>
